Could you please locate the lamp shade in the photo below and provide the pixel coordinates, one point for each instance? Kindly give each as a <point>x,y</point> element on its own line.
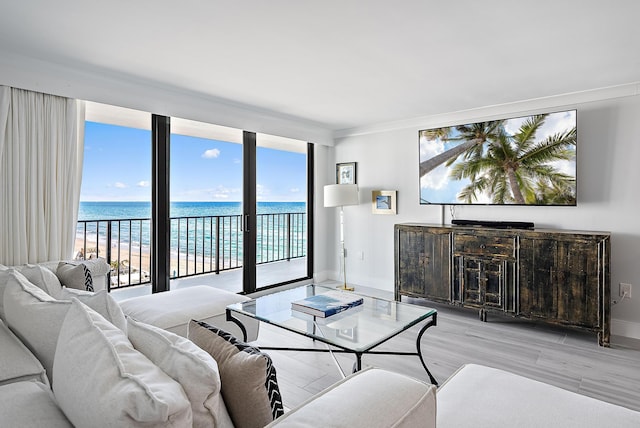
<point>339,195</point>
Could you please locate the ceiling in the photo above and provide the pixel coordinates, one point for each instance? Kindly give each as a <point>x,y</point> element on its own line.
<point>339,64</point>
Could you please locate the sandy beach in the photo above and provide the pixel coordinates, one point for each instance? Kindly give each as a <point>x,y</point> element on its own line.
<point>139,259</point>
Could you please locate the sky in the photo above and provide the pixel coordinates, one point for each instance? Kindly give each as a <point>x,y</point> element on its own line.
<point>117,167</point>
<point>436,187</point>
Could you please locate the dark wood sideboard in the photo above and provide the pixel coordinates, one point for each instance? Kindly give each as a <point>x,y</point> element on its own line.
<point>559,277</point>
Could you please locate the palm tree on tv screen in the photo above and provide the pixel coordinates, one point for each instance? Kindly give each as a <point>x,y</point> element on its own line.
<point>472,139</point>
<point>518,169</point>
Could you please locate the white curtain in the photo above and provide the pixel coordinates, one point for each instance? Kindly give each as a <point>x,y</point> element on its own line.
<point>41,153</point>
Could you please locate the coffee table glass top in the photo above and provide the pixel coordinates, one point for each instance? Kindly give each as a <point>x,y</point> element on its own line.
<point>357,329</point>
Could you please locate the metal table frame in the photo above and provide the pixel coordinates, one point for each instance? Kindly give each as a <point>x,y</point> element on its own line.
<point>431,321</point>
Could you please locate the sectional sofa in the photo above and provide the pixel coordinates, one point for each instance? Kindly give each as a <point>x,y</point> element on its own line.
<point>73,358</point>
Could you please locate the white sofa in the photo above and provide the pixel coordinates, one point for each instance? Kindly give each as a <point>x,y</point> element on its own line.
<point>173,310</point>
<point>56,371</point>
<point>170,311</point>
<point>483,397</point>
<point>79,388</point>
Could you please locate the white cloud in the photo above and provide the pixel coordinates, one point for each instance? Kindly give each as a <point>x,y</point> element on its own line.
<point>219,193</point>
<point>436,178</point>
<point>211,154</point>
<point>143,183</point>
<point>513,125</point>
<point>295,190</point>
<point>430,148</point>
<point>262,192</point>
<point>554,123</point>
<point>557,123</point>
<point>120,185</point>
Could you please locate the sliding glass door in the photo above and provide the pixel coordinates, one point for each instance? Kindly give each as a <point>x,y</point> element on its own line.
<point>281,211</point>
<point>206,204</point>
<point>238,205</point>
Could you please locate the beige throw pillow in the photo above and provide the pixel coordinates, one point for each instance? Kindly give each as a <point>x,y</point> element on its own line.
<point>76,276</point>
<point>101,380</point>
<point>249,385</point>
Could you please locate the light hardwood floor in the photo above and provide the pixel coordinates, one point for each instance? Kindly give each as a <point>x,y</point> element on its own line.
<point>565,358</point>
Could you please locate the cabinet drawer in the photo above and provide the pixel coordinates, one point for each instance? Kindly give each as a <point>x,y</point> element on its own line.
<point>481,245</point>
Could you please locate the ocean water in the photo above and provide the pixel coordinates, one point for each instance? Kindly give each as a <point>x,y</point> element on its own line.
<point>139,210</point>
<point>197,235</point>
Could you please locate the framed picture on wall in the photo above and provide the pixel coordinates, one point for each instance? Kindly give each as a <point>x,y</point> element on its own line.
<point>383,201</point>
<point>346,173</point>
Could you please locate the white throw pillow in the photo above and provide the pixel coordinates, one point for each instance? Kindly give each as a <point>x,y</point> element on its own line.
<point>43,278</point>
<point>36,274</point>
<point>34,316</point>
<point>101,380</point>
<point>185,363</point>
<point>101,302</point>
<point>17,363</point>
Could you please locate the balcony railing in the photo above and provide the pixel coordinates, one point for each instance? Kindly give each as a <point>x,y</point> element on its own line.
<point>204,244</point>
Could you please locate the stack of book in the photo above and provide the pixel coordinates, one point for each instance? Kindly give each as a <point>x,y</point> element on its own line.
<point>327,304</point>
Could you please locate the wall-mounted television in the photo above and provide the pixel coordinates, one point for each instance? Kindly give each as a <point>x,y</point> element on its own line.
<point>529,160</point>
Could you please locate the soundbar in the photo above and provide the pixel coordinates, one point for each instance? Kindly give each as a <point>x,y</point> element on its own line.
<point>494,224</point>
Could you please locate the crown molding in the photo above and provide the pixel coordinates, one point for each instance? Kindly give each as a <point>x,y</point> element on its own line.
<point>524,107</point>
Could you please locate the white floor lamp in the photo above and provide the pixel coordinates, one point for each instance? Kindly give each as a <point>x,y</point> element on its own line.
<point>340,195</point>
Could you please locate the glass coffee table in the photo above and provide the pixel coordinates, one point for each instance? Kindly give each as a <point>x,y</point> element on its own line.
<point>356,331</point>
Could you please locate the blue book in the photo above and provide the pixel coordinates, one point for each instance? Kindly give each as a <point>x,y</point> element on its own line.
<point>327,304</point>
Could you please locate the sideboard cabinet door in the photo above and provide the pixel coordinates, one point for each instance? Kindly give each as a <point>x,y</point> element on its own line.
<point>578,271</point>
<point>423,263</point>
<point>538,278</point>
<point>561,280</point>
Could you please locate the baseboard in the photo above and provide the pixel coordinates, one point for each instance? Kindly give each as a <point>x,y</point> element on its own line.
<point>354,279</point>
<point>323,276</point>
<point>369,282</point>
<point>625,328</point>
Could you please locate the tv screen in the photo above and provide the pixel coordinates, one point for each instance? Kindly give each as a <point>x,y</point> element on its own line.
<point>529,160</point>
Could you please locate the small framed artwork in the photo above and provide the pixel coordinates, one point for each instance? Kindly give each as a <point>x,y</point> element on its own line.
<point>346,173</point>
<point>383,201</point>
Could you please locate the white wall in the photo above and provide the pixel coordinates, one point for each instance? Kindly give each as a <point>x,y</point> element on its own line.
<point>608,196</point>
<point>324,223</point>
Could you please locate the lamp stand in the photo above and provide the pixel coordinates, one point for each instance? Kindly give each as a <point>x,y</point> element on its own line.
<point>344,286</point>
